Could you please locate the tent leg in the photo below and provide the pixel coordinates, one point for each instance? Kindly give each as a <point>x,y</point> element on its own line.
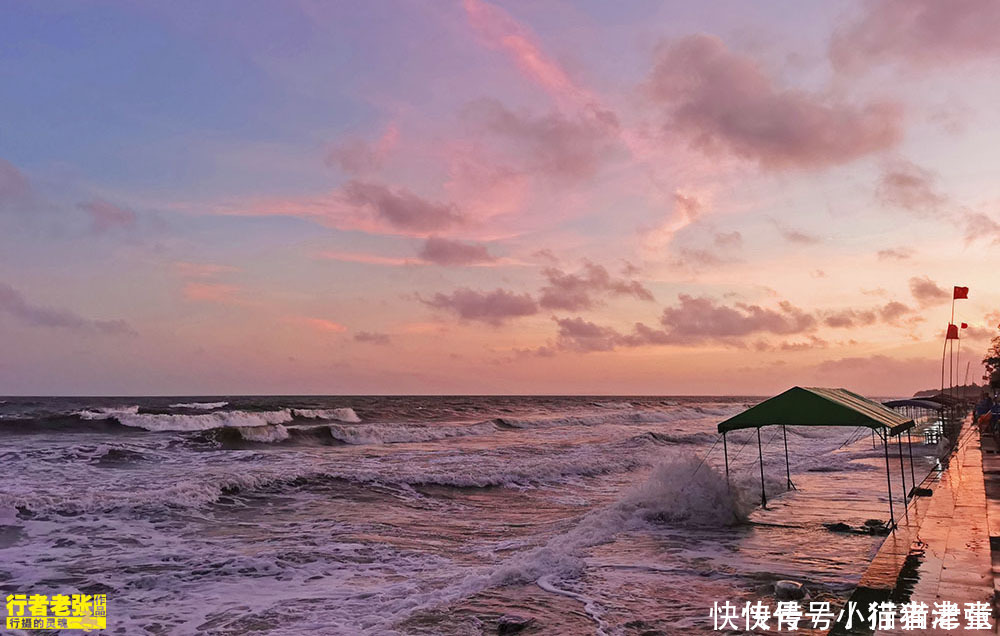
<point>873,439</point>
<point>788,474</point>
<point>902,476</point>
<point>888,481</point>
<point>760,456</point>
<point>909,447</point>
<point>725,453</point>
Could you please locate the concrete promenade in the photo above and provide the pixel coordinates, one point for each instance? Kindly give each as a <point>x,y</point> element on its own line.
<point>941,550</point>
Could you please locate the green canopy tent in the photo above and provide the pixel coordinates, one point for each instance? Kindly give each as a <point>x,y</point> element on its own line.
<point>812,406</point>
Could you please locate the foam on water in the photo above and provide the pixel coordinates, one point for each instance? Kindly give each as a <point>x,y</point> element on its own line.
<point>339,415</point>
<point>203,421</point>
<point>107,413</point>
<point>205,406</point>
<point>382,434</point>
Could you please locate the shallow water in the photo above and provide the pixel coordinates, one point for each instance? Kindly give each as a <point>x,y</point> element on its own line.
<point>423,515</point>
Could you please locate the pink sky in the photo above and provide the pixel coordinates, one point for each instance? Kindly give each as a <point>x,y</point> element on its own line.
<point>496,197</point>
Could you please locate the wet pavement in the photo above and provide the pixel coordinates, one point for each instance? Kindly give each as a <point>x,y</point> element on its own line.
<point>941,549</point>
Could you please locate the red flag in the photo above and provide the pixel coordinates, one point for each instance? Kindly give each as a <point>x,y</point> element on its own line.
<point>961,292</point>
<point>965,325</point>
<point>952,332</point>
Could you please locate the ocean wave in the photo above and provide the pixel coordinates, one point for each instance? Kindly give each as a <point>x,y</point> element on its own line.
<point>264,434</point>
<point>106,413</point>
<point>204,421</point>
<point>339,415</point>
<point>380,434</point>
<point>204,406</point>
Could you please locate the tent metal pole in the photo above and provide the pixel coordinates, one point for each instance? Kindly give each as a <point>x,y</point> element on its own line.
<point>725,453</point>
<point>888,481</point>
<point>760,456</point>
<point>909,447</point>
<point>788,474</point>
<point>902,476</point>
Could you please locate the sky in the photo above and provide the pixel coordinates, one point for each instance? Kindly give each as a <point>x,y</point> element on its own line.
<point>486,196</point>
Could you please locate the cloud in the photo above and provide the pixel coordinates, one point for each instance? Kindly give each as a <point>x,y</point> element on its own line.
<point>372,337</point>
<point>442,251</point>
<point>501,31</point>
<point>889,313</point>
<point>322,324</point>
<point>723,100</point>
<point>695,320</point>
<point>211,293</point>
<point>578,334</point>
<point>687,208</point>
<point>728,240</point>
<point>918,33</point>
<point>927,292</point>
<point>908,186</point>
<point>846,318</point>
<point>895,254</point>
<point>14,186</point>
<point>368,259</point>
<point>356,156</point>
<point>979,226</point>
<point>796,236</point>
<point>577,291</point>
<point>491,307</point>
<point>401,208</point>
<point>14,303</point>
<point>553,144</point>
<point>105,216</point>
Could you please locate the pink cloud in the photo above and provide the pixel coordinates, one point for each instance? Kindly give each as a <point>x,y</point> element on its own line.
<point>373,337</point>
<point>13,303</point>
<point>578,334</point>
<point>927,292</point>
<point>979,226</point>
<point>492,307</point>
<point>356,156</point>
<point>919,33</point>
<point>699,319</point>
<point>500,30</point>
<point>895,254</point>
<point>14,185</point>
<point>369,259</point>
<point>400,208</point>
<point>725,101</point>
<point>579,290</point>
<point>211,293</point>
<point>553,145</point>
<point>321,324</point>
<point>105,216</point>
<point>442,251</point>
<point>906,185</point>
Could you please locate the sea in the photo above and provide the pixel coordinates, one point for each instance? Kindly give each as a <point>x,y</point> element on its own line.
<point>430,515</point>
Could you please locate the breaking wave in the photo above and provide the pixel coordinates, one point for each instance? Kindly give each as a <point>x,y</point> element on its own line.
<point>378,434</point>
<point>107,413</point>
<point>204,421</point>
<point>339,415</point>
<point>204,406</point>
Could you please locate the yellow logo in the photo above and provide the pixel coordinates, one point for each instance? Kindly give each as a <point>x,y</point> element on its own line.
<point>38,611</point>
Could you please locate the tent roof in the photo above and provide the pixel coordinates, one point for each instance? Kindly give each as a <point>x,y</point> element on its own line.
<point>922,404</point>
<point>813,406</point>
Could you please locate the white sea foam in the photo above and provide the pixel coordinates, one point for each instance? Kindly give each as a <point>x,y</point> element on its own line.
<point>339,415</point>
<point>107,413</point>
<point>381,434</point>
<point>204,406</point>
<point>204,421</point>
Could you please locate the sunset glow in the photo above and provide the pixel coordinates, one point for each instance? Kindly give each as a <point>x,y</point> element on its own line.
<point>495,197</point>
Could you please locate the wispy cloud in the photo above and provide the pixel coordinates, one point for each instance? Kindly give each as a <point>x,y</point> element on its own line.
<point>13,303</point>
